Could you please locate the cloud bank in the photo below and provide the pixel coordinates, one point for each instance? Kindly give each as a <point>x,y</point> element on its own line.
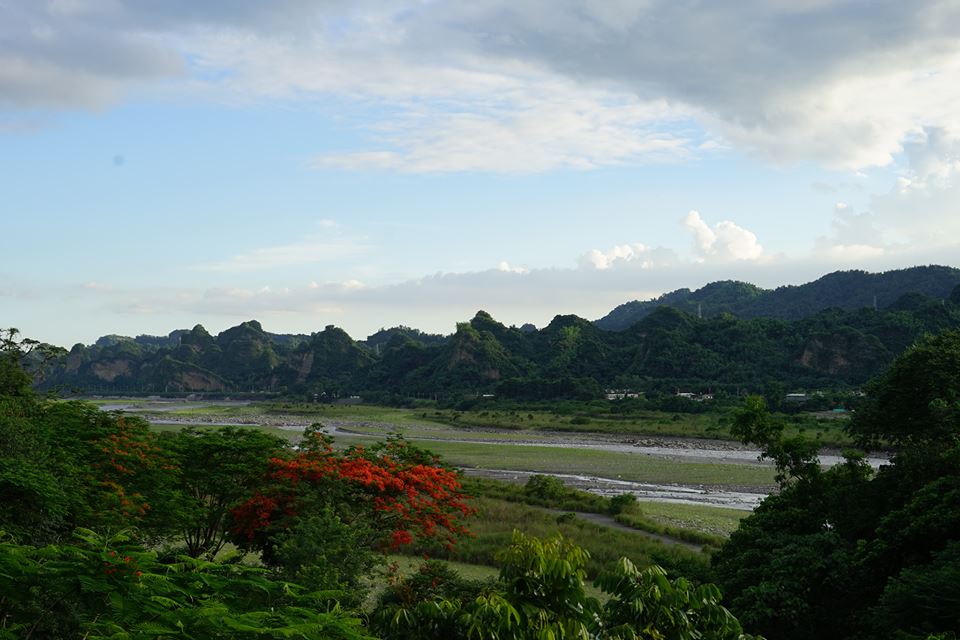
<point>526,85</point>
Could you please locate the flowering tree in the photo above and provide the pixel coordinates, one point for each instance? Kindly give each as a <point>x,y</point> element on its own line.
<point>394,491</point>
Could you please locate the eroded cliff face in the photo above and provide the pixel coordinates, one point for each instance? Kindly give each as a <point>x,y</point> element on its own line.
<point>302,364</point>
<point>843,353</point>
<point>464,357</point>
<point>199,381</point>
<point>110,370</point>
<point>821,357</point>
<point>74,360</point>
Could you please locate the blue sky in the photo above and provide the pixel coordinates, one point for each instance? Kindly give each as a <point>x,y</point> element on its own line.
<point>367,164</point>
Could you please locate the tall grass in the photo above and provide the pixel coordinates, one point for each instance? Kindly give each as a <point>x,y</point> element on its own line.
<point>496,519</point>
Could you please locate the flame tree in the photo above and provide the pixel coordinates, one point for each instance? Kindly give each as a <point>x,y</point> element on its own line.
<point>374,498</point>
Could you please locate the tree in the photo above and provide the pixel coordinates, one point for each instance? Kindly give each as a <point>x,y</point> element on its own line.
<point>218,469</point>
<point>392,490</point>
<point>916,403</point>
<point>795,458</point>
<point>544,583</point>
<point>63,464</point>
<point>16,355</point>
<point>646,604</point>
<point>835,553</point>
<point>14,381</point>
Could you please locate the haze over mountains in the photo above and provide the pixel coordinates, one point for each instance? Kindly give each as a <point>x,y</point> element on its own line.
<point>826,333</point>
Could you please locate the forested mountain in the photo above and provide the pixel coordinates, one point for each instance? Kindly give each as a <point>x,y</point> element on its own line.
<point>668,348</point>
<point>848,290</point>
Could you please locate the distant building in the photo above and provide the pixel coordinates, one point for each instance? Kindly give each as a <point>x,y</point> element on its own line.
<point>696,397</point>
<point>621,394</point>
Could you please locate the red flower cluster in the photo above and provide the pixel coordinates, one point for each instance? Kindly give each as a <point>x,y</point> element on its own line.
<point>121,567</point>
<point>398,495</point>
<point>126,453</point>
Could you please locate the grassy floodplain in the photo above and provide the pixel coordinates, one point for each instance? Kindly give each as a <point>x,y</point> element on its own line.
<point>606,464</point>
<point>828,430</point>
<point>439,437</point>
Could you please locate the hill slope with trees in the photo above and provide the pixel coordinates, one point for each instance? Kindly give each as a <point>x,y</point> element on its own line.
<point>848,290</point>
<point>666,350</point>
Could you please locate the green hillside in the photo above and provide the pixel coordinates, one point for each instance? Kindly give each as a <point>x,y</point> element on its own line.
<point>669,348</point>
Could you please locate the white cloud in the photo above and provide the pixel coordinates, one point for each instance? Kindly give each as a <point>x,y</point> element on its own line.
<point>725,242</point>
<point>642,256</point>
<point>847,254</point>
<point>97,286</point>
<point>57,58</point>
<point>352,285</point>
<point>537,129</point>
<point>525,85</point>
<point>505,267</point>
<point>918,214</point>
<point>842,83</point>
<point>302,252</point>
<point>923,209</point>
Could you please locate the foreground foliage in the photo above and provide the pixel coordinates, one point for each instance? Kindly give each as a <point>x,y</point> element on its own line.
<point>99,586</point>
<point>540,594</point>
<point>853,553</point>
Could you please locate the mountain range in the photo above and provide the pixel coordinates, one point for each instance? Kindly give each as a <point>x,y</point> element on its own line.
<point>835,332</point>
<point>847,290</point>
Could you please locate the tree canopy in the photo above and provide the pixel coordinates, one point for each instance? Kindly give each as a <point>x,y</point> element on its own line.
<point>851,552</point>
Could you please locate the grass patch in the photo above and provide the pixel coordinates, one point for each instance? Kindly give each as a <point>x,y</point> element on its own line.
<point>638,423</point>
<point>443,432</point>
<point>608,464</point>
<point>703,525</point>
<point>715,521</point>
<point>712,424</point>
<point>637,519</point>
<point>409,565</point>
<point>495,521</point>
<point>568,500</point>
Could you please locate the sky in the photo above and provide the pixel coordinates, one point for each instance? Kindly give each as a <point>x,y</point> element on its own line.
<point>374,163</point>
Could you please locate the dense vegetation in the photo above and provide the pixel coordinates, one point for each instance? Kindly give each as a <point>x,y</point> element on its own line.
<point>109,530</point>
<point>847,290</point>
<point>849,552</point>
<point>669,349</point>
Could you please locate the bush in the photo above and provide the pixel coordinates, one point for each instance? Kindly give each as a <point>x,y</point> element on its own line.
<point>545,487</point>
<point>620,503</point>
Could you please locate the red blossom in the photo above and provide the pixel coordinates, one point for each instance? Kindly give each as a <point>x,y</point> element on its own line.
<point>400,497</point>
<point>400,538</point>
